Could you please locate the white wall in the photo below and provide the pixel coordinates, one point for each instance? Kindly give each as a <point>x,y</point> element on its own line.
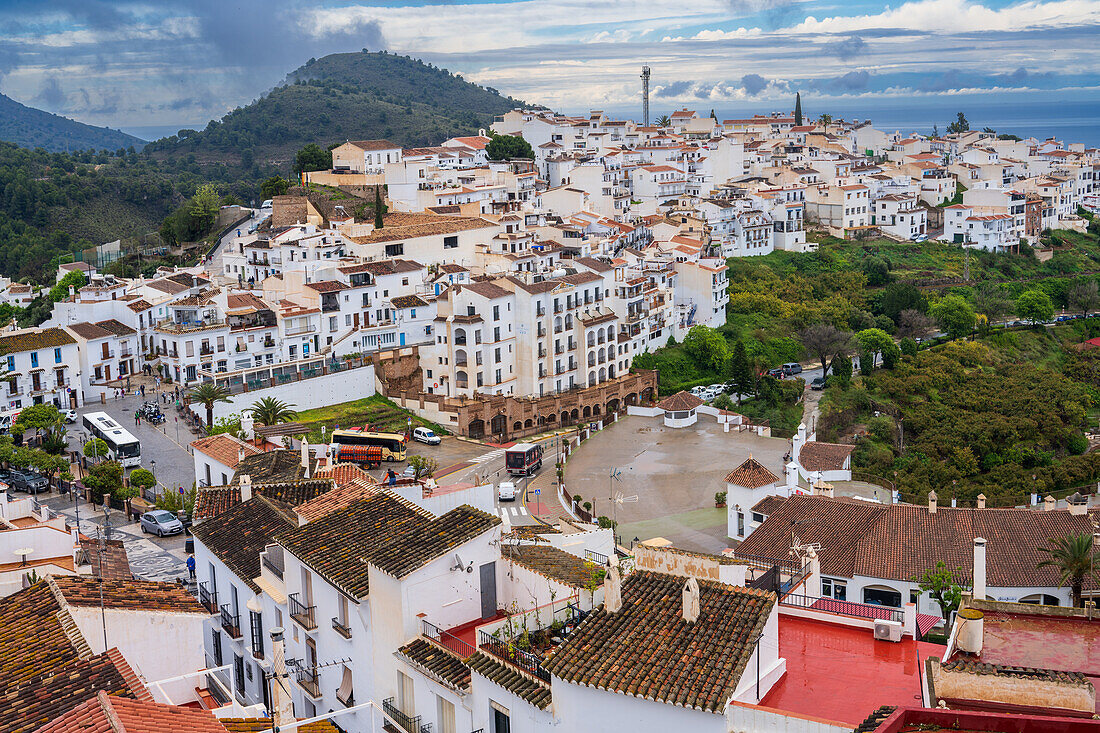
<point>523,717</point>
<point>480,497</point>
<point>328,389</point>
<point>157,644</point>
<point>743,717</point>
<point>588,709</point>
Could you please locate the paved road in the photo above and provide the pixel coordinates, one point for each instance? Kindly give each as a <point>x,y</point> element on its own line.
<point>230,242</point>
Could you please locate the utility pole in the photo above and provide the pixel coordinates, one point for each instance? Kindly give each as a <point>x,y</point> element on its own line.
<point>645,96</point>
<point>966,259</point>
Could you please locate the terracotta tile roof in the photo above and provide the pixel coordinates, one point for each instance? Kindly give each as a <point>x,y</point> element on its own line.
<point>238,535</point>
<point>484,289</point>
<point>341,473</point>
<point>430,225</point>
<point>224,448</point>
<point>551,562</point>
<point>816,456</point>
<point>139,305</point>
<point>437,662</point>
<point>382,267</point>
<point>115,564</point>
<point>525,686</point>
<point>751,474</point>
<point>30,340</point>
<point>212,501</point>
<point>768,505</point>
<point>105,713</point>
<point>394,535</point>
<point>347,493</point>
<point>974,666</point>
<point>647,649</point>
<point>263,725</point>
<point>88,330</point>
<point>593,264</point>
<point>275,465</point>
<point>55,692</point>
<point>141,595</point>
<point>368,145</point>
<point>327,286</point>
<point>408,301</point>
<point>116,327</point>
<point>532,531</point>
<point>679,402</point>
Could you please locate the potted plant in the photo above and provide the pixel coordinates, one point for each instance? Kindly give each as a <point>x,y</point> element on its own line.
<point>720,499</point>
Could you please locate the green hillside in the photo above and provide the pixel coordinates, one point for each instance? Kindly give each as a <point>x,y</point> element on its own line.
<point>350,96</point>
<point>35,128</point>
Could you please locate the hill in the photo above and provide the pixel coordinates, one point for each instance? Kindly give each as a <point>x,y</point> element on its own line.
<point>349,96</point>
<point>35,128</point>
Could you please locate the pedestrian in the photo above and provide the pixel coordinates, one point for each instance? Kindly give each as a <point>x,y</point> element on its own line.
<point>191,566</point>
<point>137,418</point>
<point>143,390</point>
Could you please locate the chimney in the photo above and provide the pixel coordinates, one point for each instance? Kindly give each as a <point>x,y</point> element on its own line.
<point>240,454</point>
<point>979,569</point>
<point>691,600</point>
<point>246,487</point>
<point>282,704</point>
<point>247,425</point>
<point>932,502</point>
<point>305,457</point>
<point>792,475</point>
<point>613,590</point>
<point>1048,503</point>
<point>981,502</point>
<point>1078,505</point>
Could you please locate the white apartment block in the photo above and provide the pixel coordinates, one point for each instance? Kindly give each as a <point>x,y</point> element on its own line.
<point>43,365</point>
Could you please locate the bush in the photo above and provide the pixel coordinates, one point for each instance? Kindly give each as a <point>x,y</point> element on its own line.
<point>909,347</point>
<point>1077,444</point>
<point>881,428</point>
<point>720,498</point>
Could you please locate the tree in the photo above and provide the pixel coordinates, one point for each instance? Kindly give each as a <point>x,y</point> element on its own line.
<point>96,449</point>
<point>877,271</point>
<point>872,342</point>
<point>959,125</point>
<point>824,120</point>
<point>742,381</point>
<point>1034,306</point>
<point>203,209</point>
<point>902,296</point>
<point>798,108</point>
<point>935,131</point>
<point>824,340</point>
<point>954,315</point>
<point>989,299</point>
<point>946,591</point>
<point>1074,559</point>
<point>706,347</point>
<point>378,206</point>
<point>508,147</point>
<point>662,121</point>
<point>1084,297</point>
<point>274,186</point>
<point>913,323</point>
<point>270,411</point>
<point>423,465</point>
<point>104,477</point>
<point>44,416</point>
<point>842,370</point>
<point>312,158</point>
<point>142,478</point>
<point>207,394</point>
<point>74,279</point>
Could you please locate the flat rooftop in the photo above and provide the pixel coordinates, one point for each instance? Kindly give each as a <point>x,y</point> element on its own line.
<point>842,673</point>
<point>1043,642</point>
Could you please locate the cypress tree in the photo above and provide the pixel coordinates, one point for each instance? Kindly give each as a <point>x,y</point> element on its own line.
<point>377,207</point>
<point>740,372</point>
<point>798,108</point>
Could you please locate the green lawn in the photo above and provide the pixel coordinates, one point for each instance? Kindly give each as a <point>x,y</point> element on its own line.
<point>377,411</point>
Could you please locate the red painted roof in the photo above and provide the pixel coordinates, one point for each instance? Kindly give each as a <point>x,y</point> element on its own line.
<point>840,673</point>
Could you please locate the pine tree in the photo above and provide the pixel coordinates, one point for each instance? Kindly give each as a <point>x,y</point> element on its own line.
<point>740,372</point>
<point>378,207</point>
<point>798,108</point>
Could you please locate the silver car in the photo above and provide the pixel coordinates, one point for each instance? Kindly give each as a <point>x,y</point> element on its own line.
<point>160,522</point>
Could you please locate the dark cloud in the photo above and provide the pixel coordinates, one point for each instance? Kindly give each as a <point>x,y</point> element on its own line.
<point>93,14</point>
<point>675,89</point>
<point>853,81</point>
<point>846,48</point>
<point>942,82</point>
<point>50,95</point>
<point>753,84</point>
<point>1020,77</point>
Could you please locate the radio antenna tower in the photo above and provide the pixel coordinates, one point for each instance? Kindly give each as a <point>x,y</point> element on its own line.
<point>645,96</point>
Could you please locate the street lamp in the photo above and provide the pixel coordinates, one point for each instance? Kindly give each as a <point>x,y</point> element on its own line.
<point>153,468</point>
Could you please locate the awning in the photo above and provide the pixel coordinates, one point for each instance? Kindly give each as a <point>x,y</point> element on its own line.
<point>344,693</point>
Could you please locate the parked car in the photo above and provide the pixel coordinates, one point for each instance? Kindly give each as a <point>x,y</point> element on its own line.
<point>791,368</point>
<point>70,416</point>
<point>409,472</point>
<point>778,373</point>
<point>698,391</point>
<point>27,481</point>
<point>426,435</point>
<point>506,491</point>
<point>160,522</point>
<point>919,238</point>
<point>817,383</point>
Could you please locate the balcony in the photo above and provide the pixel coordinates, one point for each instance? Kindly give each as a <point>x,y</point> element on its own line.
<point>231,622</point>
<point>341,629</point>
<point>302,613</point>
<point>542,353</point>
<point>107,354</point>
<point>301,330</point>
<point>559,349</point>
<point>208,597</point>
<point>206,351</point>
<point>407,723</point>
<point>307,680</point>
<point>460,340</point>
<point>461,362</point>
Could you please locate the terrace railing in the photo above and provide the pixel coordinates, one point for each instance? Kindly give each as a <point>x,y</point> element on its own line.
<point>447,640</point>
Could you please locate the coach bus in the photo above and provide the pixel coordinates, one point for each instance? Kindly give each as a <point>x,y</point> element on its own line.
<point>121,445</point>
<point>523,459</point>
<point>351,445</point>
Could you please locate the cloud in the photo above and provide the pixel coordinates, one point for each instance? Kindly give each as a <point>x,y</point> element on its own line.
<point>619,36</point>
<point>953,16</point>
<point>675,89</point>
<point>50,95</point>
<point>853,81</point>
<point>942,82</point>
<point>753,84</point>
<point>846,48</point>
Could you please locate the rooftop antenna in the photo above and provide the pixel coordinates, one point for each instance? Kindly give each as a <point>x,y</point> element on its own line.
<point>645,96</point>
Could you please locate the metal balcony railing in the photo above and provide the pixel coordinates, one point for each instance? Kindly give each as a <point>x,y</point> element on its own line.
<point>208,597</point>
<point>231,622</point>
<point>508,652</point>
<point>411,724</point>
<point>447,640</point>
<point>302,613</point>
<point>307,679</point>
<point>341,629</point>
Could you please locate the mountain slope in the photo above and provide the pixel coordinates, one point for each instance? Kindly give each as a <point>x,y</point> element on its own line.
<point>350,96</point>
<point>35,128</point>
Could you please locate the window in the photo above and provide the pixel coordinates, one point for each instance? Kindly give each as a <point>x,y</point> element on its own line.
<point>740,524</point>
<point>882,596</point>
<point>394,250</point>
<point>11,363</point>
<point>238,672</point>
<point>57,356</point>
<point>404,693</point>
<point>34,358</point>
<point>837,589</point>
<point>498,719</point>
<point>450,242</point>
<point>445,715</point>
<point>757,517</point>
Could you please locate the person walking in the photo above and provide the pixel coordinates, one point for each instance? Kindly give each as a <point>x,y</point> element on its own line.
<point>137,418</point>
<point>191,566</point>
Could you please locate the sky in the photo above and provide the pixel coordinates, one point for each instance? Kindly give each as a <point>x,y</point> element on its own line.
<point>142,64</point>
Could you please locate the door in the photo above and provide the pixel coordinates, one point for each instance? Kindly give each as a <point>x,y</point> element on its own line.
<point>402,338</point>
<point>488,590</point>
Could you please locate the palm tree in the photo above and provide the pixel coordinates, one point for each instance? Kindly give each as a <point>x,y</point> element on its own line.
<point>825,119</point>
<point>663,121</point>
<point>208,393</point>
<point>1074,559</point>
<point>271,411</point>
